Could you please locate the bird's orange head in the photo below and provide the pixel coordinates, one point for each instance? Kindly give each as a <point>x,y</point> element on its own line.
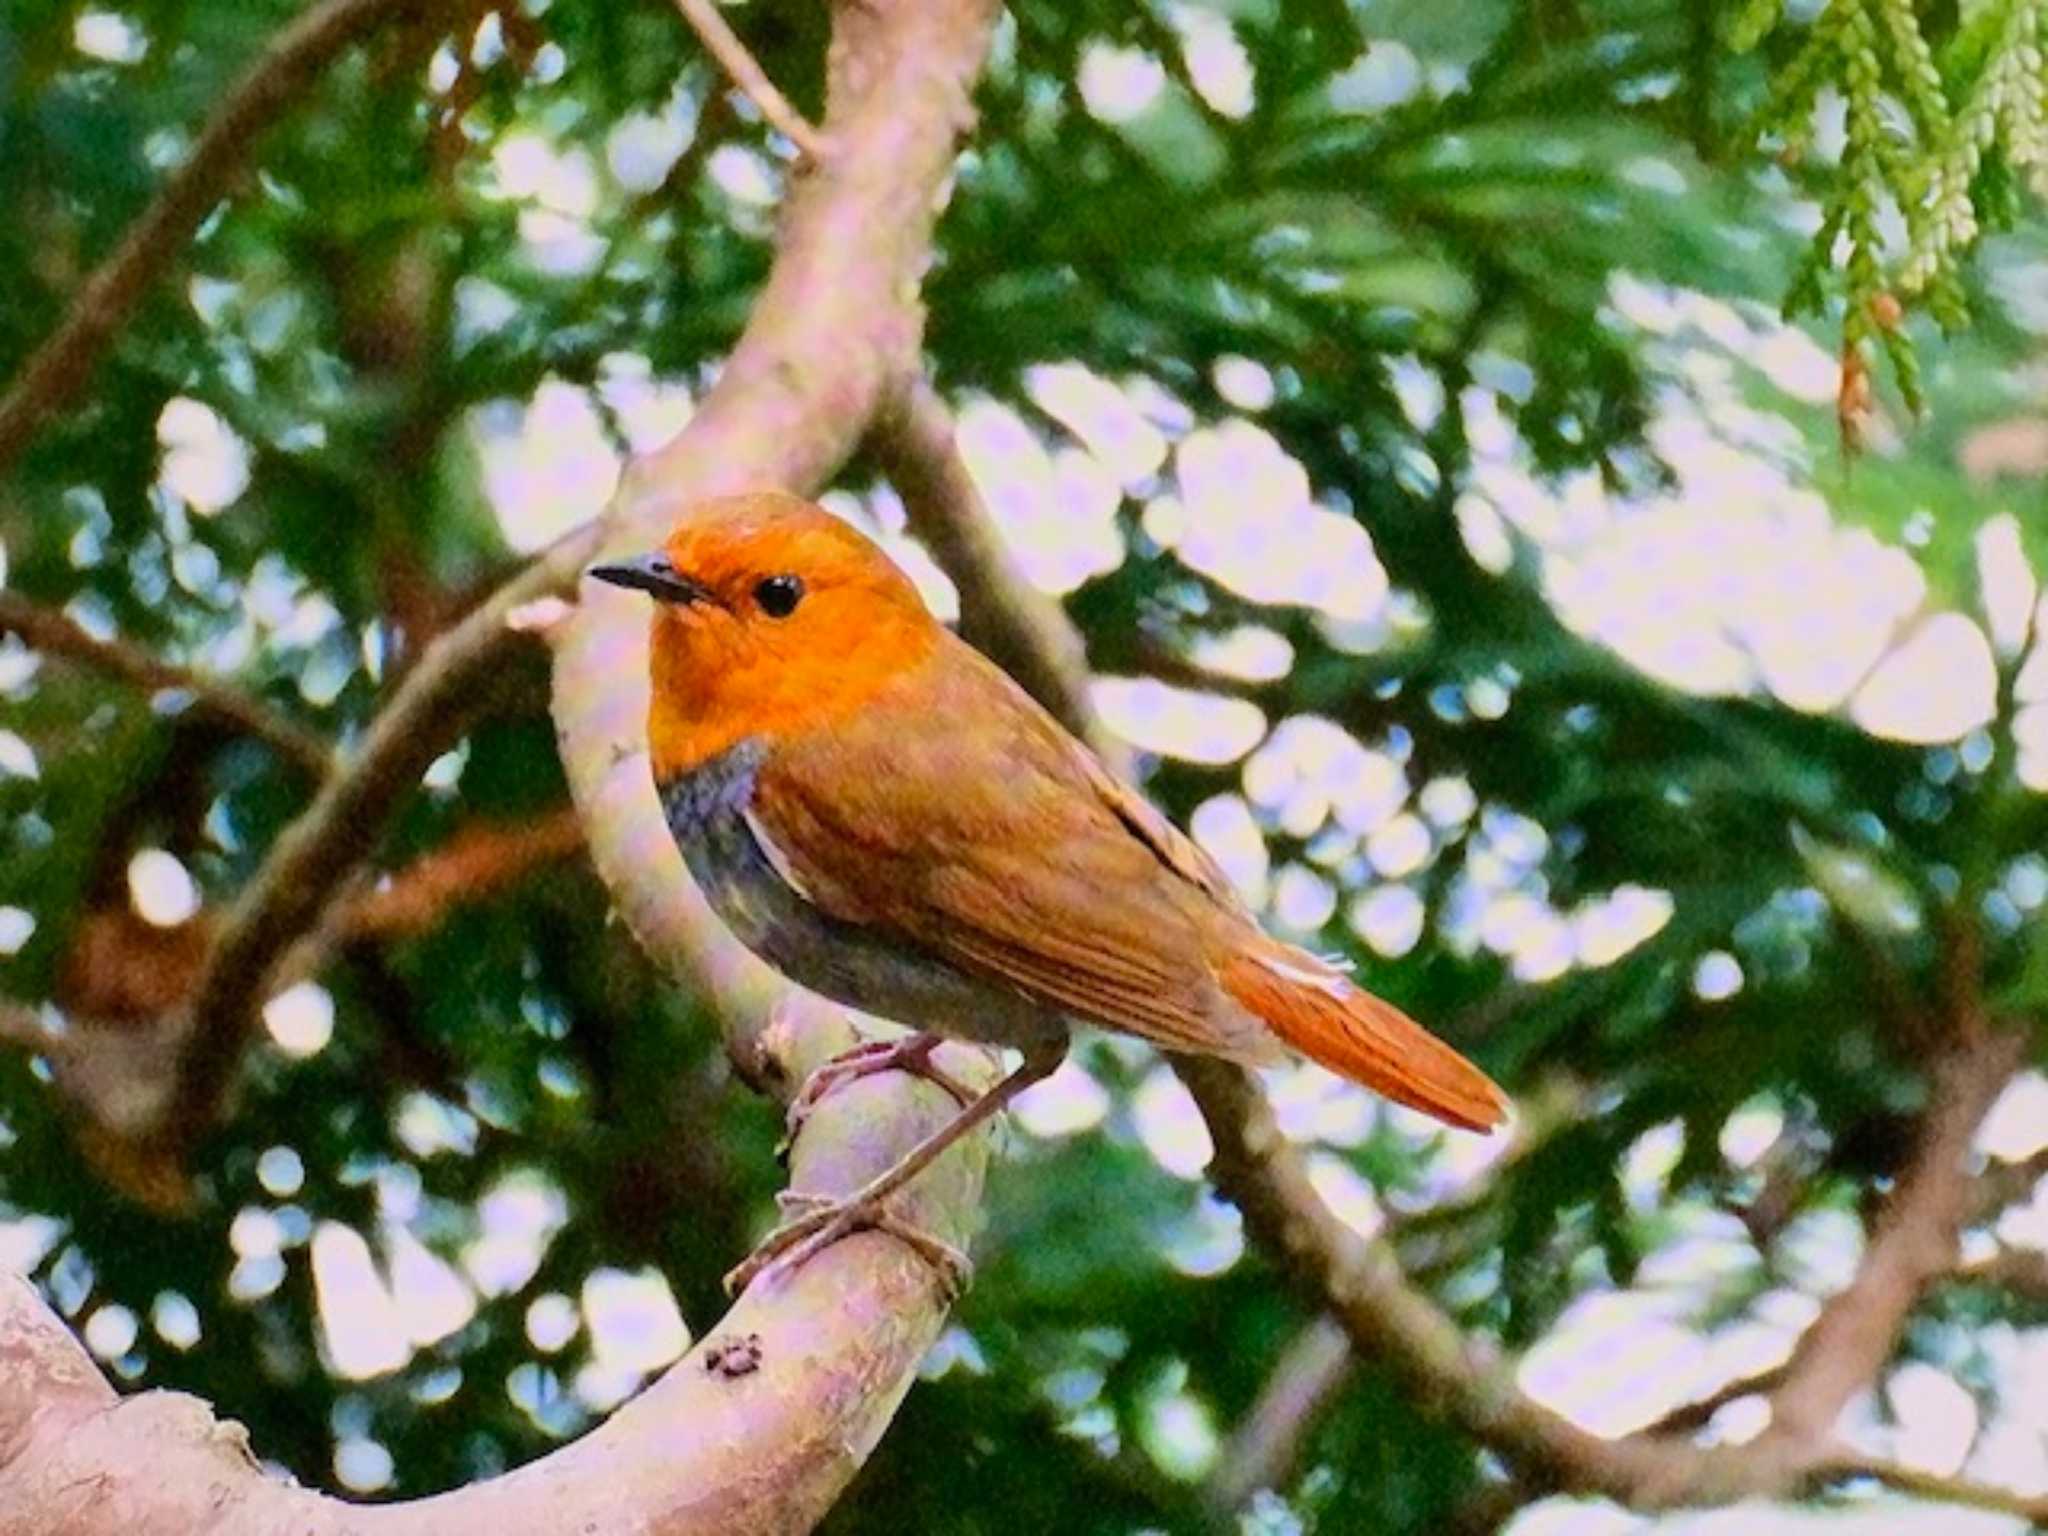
<point>772,617</point>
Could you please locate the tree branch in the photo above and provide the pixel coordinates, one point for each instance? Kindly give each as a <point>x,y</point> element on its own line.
<point>1001,613</point>
<point>2023,1271</point>
<point>759,1440</point>
<point>56,634</point>
<point>1932,1486</point>
<point>477,860</point>
<point>1266,1444</point>
<point>267,88</point>
<point>1912,1246</point>
<point>724,45</point>
<point>1391,1322</point>
<point>2004,1184</point>
<point>1320,1363</point>
<point>1690,1418</point>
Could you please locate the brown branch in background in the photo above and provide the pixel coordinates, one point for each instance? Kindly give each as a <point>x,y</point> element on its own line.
<point>1319,1363</point>
<point>2022,1271</point>
<point>1394,1324</point>
<point>2004,1184</point>
<point>309,865</point>
<point>478,861</point>
<point>1266,1444</point>
<point>724,45</point>
<point>1932,1486</point>
<point>1001,613</point>
<point>56,634</point>
<point>1913,1245</point>
<point>271,84</point>
<point>1690,1418</point>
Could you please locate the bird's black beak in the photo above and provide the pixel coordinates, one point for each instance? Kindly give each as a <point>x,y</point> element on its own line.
<point>651,573</point>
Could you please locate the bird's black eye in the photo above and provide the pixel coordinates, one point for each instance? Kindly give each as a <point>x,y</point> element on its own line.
<point>779,595</point>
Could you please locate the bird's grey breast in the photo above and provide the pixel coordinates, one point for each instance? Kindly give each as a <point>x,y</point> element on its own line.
<point>750,884</point>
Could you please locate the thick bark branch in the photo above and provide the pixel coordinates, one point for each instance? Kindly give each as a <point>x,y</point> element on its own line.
<point>266,90</point>
<point>724,1444</point>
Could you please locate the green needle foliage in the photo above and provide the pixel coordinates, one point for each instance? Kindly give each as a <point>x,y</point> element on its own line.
<point>1942,122</point>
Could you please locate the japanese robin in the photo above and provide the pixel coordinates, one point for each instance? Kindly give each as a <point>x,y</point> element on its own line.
<point>875,809</point>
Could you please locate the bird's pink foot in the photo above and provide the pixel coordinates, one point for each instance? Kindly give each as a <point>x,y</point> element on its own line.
<point>821,1221</point>
<point>818,1221</point>
<point>911,1053</point>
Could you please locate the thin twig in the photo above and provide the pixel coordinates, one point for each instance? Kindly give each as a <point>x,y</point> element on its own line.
<point>1264,1447</point>
<point>1932,1486</point>
<point>56,634</point>
<point>271,84</point>
<point>1690,1418</point>
<point>2023,1271</point>
<point>745,71</point>
<point>2004,1184</point>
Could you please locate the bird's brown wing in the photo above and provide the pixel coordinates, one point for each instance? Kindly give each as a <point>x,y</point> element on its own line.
<point>955,816</point>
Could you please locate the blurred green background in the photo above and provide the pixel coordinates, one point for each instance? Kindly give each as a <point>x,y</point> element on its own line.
<point>1397,397</point>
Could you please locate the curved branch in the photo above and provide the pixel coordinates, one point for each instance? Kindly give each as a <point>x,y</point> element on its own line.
<point>1391,1322</point>
<point>1913,1246</point>
<point>756,1430</point>
<point>267,88</point>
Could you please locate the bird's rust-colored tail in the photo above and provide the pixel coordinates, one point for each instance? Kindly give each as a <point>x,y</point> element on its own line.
<point>1320,1012</point>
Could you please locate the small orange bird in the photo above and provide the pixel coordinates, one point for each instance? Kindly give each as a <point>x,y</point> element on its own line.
<point>877,811</point>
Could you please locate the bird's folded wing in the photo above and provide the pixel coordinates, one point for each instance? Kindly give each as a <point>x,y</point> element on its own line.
<point>956,817</point>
